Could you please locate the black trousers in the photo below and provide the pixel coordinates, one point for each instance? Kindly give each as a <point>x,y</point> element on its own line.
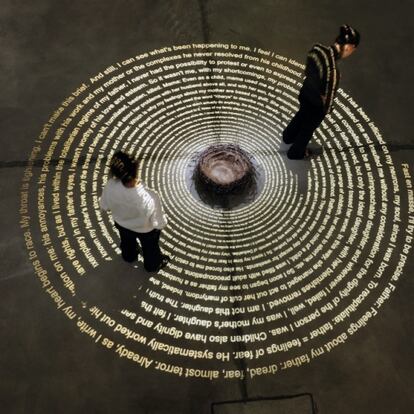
<point>149,243</point>
<point>302,126</point>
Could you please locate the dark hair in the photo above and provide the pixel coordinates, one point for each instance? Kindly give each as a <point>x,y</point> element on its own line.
<point>348,35</point>
<point>124,167</point>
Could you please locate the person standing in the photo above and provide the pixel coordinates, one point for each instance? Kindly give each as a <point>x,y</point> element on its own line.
<point>318,91</point>
<point>137,212</point>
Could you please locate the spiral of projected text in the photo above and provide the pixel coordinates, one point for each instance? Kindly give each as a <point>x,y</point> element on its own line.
<point>251,291</point>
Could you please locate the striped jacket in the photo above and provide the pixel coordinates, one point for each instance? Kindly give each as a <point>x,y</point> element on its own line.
<point>322,76</point>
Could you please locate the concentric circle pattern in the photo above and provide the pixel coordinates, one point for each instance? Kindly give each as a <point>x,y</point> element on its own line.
<point>249,292</point>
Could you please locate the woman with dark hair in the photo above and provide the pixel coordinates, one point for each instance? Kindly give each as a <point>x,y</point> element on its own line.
<point>137,212</point>
<point>318,91</point>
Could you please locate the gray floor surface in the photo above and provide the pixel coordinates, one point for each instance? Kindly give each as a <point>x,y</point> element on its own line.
<point>47,49</point>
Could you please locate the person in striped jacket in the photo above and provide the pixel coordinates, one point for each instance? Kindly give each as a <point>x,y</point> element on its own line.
<point>318,91</point>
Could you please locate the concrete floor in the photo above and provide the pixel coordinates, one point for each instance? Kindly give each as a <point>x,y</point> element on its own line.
<point>48,49</point>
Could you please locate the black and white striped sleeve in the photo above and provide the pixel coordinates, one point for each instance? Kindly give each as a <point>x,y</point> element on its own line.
<point>324,60</point>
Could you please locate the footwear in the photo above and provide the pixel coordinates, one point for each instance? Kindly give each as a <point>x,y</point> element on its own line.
<point>308,154</point>
<point>164,261</point>
<point>286,139</point>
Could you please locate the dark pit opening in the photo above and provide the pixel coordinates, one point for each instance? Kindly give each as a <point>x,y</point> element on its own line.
<point>224,176</point>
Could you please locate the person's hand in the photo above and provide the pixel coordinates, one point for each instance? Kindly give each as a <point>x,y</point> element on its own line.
<point>323,97</point>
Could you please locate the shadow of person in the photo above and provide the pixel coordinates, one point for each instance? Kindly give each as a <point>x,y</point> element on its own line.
<point>114,285</point>
<point>300,168</point>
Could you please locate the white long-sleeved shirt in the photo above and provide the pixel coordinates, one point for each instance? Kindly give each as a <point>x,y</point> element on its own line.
<point>137,208</point>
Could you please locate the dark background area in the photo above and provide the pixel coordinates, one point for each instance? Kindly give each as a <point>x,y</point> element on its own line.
<point>47,49</point>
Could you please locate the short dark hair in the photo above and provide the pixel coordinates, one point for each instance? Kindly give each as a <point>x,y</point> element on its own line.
<point>124,167</point>
<point>348,35</point>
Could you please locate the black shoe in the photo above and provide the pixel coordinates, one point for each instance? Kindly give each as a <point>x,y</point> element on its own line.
<point>164,261</point>
<point>308,154</point>
<point>286,139</point>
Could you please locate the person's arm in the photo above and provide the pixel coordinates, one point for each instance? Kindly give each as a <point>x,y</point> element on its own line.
<point>328,74</point>
<point>102,201</point>
<point>314,73</point>
<point>158,217</point>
